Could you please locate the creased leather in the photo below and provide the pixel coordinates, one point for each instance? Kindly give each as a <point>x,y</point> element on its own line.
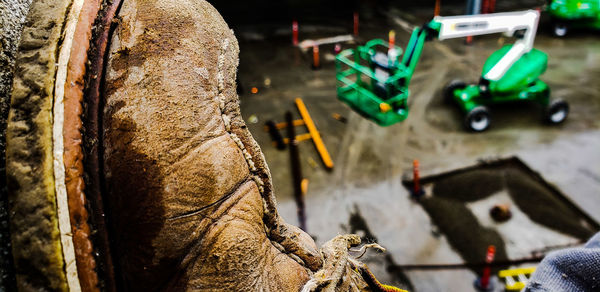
<point>188,184</point>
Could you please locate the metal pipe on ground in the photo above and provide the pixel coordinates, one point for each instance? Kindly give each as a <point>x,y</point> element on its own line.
<point>316,137</point>
<point>296,170</point>
<point>478,265</point>
<point>275,135</point>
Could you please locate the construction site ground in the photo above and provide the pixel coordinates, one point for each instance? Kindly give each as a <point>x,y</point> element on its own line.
<point>365,194</point>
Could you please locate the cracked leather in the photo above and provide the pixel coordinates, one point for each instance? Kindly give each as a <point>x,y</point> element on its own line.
<point>187,194</point>
<point>190,192</point>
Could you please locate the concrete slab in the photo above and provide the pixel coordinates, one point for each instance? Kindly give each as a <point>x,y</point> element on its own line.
<point>370,161</point>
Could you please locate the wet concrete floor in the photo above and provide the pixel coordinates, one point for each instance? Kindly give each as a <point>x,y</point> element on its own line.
<point>364,191</point>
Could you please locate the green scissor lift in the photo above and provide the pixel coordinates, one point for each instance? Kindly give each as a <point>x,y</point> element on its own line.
<point>567,14</point>
<point>373,80</point>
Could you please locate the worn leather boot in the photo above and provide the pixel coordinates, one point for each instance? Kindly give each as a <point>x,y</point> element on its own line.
<point>129,165</point>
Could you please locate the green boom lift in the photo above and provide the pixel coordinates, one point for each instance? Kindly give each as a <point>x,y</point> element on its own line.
<point>573,13</point>
<point>373,79</point>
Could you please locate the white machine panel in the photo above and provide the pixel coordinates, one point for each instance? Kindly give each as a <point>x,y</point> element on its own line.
<point>508,23</point>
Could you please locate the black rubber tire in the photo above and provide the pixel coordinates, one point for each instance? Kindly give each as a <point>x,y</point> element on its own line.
<point>478,119</point>
<point>449,89</point>
<point>556,112</point>
<point>560,29</point>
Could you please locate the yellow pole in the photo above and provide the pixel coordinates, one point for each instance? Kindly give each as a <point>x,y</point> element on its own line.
<point>314,134</point>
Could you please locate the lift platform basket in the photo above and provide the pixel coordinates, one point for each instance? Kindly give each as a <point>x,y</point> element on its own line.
<point>372,81</point>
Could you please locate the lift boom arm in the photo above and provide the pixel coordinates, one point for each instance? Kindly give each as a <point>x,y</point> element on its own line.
<point>448,27</point>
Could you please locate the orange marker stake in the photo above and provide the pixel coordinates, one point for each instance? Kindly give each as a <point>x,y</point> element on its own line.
<point>491,6</point>
<point>316,60</point>
<point>295,33</point>
<point>304,186</point>
<point>417,191</point>
<point>355,23</point>
<point>485,6</point>
<point>469,40</point>
<point>483,283</point>
<point>436,10</point>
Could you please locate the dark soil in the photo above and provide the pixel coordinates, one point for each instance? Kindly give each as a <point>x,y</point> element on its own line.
<point>543,207</point>
<point>463,231</point>
<point>539,201</point>
<point>469,186</point>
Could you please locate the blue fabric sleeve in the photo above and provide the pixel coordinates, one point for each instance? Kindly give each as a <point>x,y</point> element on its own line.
<point>572,269</point>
